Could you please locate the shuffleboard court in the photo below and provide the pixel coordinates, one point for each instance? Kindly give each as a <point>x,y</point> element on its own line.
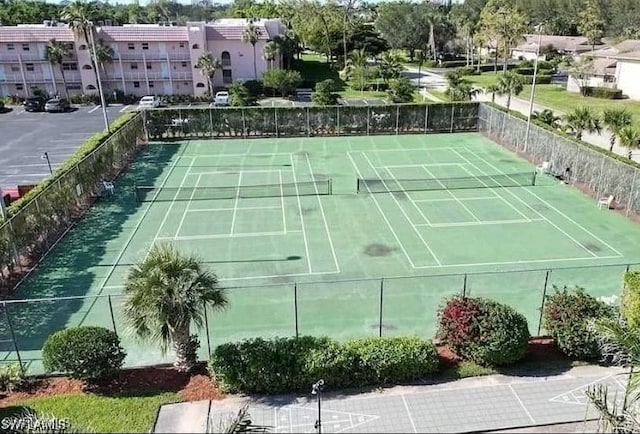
<point>301,231</point>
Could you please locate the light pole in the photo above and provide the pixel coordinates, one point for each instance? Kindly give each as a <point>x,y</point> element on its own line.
<point>316,389</point>
<point>95,65</point>
<point>45,156</point>
<point>3,210</point>
<point>533,87</point>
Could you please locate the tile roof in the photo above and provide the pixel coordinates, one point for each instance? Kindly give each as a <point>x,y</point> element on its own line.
<point>632,55</point>
<point>234,31</point>
<point>604,66</point>
<point>35,34</point>
<point>561,43</point>
<point>623,47</point>
<point>142,33</point>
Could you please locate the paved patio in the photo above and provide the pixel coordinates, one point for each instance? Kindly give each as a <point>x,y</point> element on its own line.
<point>493,403</point>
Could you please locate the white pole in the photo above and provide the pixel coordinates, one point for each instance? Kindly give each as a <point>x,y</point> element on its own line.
<point>97,66</point>
<point>3,210</point>
<point>533,88</point>
<point>631,195</point>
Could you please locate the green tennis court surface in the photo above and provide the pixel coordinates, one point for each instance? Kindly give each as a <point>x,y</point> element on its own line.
<point>265,214</point>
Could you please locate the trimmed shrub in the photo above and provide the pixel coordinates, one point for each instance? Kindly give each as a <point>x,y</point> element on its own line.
<point>530,71</point>
<point>11,377</point>
<point>292,364</point>
<point>453,63</point>
<point>630,303</point>
<point>602,92</point>
<point>566,318</point>
<point>484,331</point>
<point>540,79</point>
<point>467,70</point>
<point>85,353</point>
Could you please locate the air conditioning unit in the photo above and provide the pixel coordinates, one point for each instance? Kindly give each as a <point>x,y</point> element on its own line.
<point>108,23</point>
<point>47,23</point>
<point>100,23</point>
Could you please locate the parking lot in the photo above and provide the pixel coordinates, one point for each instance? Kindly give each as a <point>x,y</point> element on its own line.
<point>26,136</point>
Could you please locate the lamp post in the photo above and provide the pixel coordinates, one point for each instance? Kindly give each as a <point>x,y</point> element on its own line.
<point>45,156</point>
<point>316,389</point>
<point>3,210</point>
<point>95,65</point>
<point>533,87</point>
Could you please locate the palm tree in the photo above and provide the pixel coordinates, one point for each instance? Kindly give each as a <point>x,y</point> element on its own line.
<point>56,52</point>
<point>615,119</point>
<point>357,68</point>
<point>80,15</point>
<point>104,54</point>
<point>582,119</point>
<point>459,89</point>
<point>629,139</point>
<point>270,51</point>
<point>493,88</point>
<point>389,67</point>
<point>208,66</point>
<point>547,117</point>
<point>251,34</point>
<point>509,84</point>
<point>165,293</point>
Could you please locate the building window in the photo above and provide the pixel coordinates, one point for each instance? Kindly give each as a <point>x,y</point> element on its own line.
<point>25,47</point>
<point>30,67</point>
<point>90,87</point>
<point>134,66</point>
<point>184,64</point>
<point>151,84</point>
<point>227,78</point>
<point>82,47</point>
<point>19,86</point>
<point>195,46</point>
<point>15,68</point>
<point>11,47</point>
<point>149,66</point>
<point>181,44</point>
<point>131,46</point>
<point>186,84</point>
<point>226,58</point>
<point>74,86</point>
<point>136,84</point>
<point>145,45</point>
<point>86,67</point>
<point>70,66</point>
<point>200,85</point>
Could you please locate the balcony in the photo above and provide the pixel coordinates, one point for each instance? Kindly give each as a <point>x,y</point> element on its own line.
<point>26,56</point>
<point>154,56</point>
<point>179,56</point>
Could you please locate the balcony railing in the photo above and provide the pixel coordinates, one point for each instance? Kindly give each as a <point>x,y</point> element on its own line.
<point>151,75</point>
<point>154,56</point>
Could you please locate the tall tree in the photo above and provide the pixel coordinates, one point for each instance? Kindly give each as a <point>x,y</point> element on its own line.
<point>509,84</point>
<point>502,22</point>
<point>583,119</point>
<point>590,23</point>
<point>358,69</point>
<point>270,51</point>
<point>402,24</point>
<point>348,8</point>
<point>251,34</point>
<point>81,16</point>
<point>615,119</point>
<point>208,65</point>
<point>166,293</point>
<point>56,53</point>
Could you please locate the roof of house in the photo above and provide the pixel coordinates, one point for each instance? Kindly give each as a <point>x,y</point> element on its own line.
<point>142,33</point>
<point>632,55</point>
<point>560,43</point>
<point>603,66</point>
<point>628,46</point>
<point>232,29</point>
<point>35,34</point>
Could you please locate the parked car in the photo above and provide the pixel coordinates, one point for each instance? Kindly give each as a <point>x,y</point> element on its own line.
<point>149,101</point>
<point>221,98</point>
<point>35,103</point>
<point>57,105</point>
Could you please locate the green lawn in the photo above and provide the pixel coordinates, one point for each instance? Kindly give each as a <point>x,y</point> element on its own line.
<point>101,413</point>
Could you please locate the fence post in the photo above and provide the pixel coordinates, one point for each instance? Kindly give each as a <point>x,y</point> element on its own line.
<point>144,127</point>
<point>13,335</point>
<point>210,121</point>
<point>206,329</point>
<point>631,195</point>
<point>381,300</point>
<point>113,320</point>
<point>453,110</point>
<point>338,120</point>
<point>368,119</point>
<point>308,126</point>
<point>295,306</point>
<point>397,118</point>
<point>275,116</point>
<point>464,286</point>
<point>544,295</point>
<point>244,124</point>
<point>426,117</point>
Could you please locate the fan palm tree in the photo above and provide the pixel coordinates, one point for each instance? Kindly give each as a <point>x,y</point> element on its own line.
<point>270,51</point>
<point>629,139</point>
<point>55,53</point>
<point>509,84</point>
<point>208,66</point>
<point>165,293</point>
<point>582,119</point>
<point>493,89</point>
<point>357,69</point>
<point>547,117</point>
<point>251,34</point>
<point>103,53</point>
<point>459,89</point>
<point>389,67</point>
<point>615,119</point>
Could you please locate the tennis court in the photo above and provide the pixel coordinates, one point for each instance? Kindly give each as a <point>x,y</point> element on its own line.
<point>267,213</point>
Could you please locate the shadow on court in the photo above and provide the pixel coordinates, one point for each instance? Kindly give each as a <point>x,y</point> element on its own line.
<point>70,269</point>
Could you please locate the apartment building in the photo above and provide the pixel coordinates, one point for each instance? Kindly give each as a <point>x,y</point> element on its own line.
<point>147,58</point>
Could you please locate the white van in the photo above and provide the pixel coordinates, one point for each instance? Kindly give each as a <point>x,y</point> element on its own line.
<point>221,99</point>
<point>149,101</point>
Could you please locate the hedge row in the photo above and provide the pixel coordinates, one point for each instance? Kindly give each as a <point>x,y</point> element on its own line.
<point>293,364</point>
<point>602,92</point>
<point>540,79</point>
<point>529,71</point>
<point>630,303</point>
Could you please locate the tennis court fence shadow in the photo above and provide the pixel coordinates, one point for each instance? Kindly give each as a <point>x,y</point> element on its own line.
<point>343,309</point>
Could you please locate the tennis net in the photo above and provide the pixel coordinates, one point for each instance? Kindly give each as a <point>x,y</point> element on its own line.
<point>163,194</point>
<point>379,185</point>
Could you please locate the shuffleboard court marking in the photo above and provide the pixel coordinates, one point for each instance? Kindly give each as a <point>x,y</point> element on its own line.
<point>403,211</point>
<point>559,212</point>
<point>186,208</point>
<point>324,217</point>
<point>304,232</point>
<point>578,243</point>
<point>384,216</point>
<point>524,407</point>
<point>406,407</point>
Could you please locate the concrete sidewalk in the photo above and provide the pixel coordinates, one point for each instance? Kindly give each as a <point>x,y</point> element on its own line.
<point>494,403</point>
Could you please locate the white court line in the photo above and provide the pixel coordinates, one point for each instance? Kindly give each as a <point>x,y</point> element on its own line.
<point>448,199</point>
<point>415,205</point>
<point>241,208</point>
<point>452,195</point>
<point>284,217</point>
<point>403,212</point>
<point>271,276</point>
<point>531,261</point>
<point>422,165</point>
<point>444,148</point>
<point>384,216</point>
<point>223,172</point>
<point>239,155</point>
<point>563,214</point>
<point>94,109</point>
<point>480,223</point>
<point>186,208</point>
<point>235,204</point>
<point>554,208</point>
<point>304,232</point>
<point>522,404</point>
<point>406,406</point>
<point>324,217</point>
<point>237,235</point>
